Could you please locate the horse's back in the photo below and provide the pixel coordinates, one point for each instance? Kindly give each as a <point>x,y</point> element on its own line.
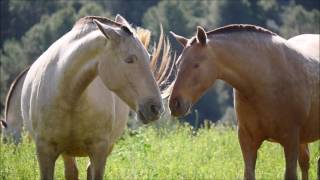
<point>308,44</point>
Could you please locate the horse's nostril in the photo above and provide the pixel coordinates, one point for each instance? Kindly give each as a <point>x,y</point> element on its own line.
<point>155,109</point>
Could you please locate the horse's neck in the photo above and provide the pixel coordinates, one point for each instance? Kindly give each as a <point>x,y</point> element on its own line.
<point>78,65</point>
<point>249,63</point>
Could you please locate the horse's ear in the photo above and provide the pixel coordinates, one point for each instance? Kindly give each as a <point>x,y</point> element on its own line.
<point>182,40</point>
<point>122,20</point>
<point>108,31</point>
<point>201,35</point>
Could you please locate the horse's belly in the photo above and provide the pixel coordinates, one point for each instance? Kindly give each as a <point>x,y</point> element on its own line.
<point>311,129</point>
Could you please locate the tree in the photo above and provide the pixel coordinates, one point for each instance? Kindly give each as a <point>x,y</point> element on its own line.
<point>16,55</point>
<point>297,20</point>
<point>131,10</point>
<point>13,15</point>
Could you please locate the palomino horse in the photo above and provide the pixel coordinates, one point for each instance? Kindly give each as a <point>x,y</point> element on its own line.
<point>12,124</point>
<point>73,116</point>
<point>276,85</point>
<point>13,118</point>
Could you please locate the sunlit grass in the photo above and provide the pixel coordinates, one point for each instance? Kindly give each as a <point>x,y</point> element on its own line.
<point>151,153</point>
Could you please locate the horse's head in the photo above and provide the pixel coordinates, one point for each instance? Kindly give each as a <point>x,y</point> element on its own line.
<point>196,73</point>
<point>124,69</point>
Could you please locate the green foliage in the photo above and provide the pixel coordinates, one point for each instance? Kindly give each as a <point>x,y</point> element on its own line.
<point>297,20</point>
<point>161,154</point>
<point>30,27</point>
<point>11,65</point>
<point>133,11</point>
<point>14,23</point>
<point>16,55</point>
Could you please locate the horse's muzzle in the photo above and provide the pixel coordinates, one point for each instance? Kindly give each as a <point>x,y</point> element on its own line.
<point>179,107</point>
<point>150,111</point>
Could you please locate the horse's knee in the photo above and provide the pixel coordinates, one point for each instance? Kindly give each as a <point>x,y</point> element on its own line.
<point>318,168</point>
<point>249,148</point>
<point>304,160</point>
<point>304,156</point>
<point>292,156</point>
<point>89,171</point>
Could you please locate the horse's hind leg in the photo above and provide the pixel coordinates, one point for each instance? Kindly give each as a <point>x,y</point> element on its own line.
<point>70,168</point>
<point>304,160</point>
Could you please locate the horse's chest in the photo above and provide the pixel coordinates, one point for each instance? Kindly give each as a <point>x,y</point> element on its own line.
<point>81,124</point>
<point>268,117</point>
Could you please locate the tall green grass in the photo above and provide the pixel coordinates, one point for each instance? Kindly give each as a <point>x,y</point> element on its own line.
<point>151,153</point>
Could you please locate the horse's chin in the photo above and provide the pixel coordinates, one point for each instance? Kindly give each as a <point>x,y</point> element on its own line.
<point>146,118</point>
<point>182,112</point>
<point>143,118</point>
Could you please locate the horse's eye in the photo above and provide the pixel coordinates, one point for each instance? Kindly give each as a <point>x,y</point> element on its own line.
<point>195,66</point>
<point>130,59</point>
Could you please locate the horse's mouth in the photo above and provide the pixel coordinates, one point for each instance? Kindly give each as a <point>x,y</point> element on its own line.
<point>142,117</point>
<point>187,110</point>
<point>182,111</point>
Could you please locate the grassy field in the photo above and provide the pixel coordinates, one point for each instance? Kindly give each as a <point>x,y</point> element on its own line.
<point>151,153</point>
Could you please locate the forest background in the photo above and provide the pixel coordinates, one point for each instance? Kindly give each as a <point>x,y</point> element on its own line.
<point>28,28</point>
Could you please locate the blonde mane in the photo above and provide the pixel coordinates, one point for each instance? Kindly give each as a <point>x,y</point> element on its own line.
<point>162,64</point>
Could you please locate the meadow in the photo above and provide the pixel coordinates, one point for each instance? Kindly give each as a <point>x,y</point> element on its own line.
<point>153,153</point>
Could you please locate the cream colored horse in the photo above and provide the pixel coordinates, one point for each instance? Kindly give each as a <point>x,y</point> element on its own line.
<point>12,124</point>
<point>76,93</point>
<point>13,117</point>
<point>277,87</point>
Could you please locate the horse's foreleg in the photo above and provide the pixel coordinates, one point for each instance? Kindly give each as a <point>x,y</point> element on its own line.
<point>70,168</point>
<point>249,148</point>
<point>291,150</point>
<point>98,155</point>
<point>89,171</point>
<point>318,174</point>
<point>47,155</point>
<point>304,160</point>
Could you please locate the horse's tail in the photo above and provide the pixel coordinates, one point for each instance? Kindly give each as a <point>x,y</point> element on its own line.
<point>9,131</point>
<point>3,123</point>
